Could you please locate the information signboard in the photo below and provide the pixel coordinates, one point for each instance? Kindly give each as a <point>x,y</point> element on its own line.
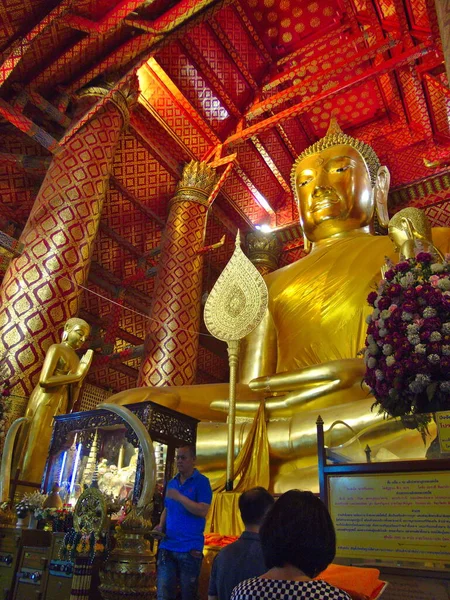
<point>392,516</point>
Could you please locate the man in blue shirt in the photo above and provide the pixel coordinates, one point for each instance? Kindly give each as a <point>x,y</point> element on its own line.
<point>244,558</point>
<point>186,505</point>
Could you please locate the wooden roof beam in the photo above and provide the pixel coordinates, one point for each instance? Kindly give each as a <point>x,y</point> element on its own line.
<point>400,60</point>
<point>137,203</point>
<point>303,87</point>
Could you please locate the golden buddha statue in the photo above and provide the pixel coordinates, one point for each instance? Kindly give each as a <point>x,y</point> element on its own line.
<point>56,392</point>
<point>410,228</point>
<point>303,357</point>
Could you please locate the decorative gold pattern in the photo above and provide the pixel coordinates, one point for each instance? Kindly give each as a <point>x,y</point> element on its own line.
<point>238,300</point>
<point>90,511</point>
<point>197,182</point>
<point>171,345</point>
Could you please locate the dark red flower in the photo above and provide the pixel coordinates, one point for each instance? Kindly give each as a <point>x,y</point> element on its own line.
<point>389,275</point>
<point>371,298</point>
<point>403,266</point>
<point>424,257</point>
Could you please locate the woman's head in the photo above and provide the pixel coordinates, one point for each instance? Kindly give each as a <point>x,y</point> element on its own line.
<point>298,531</point>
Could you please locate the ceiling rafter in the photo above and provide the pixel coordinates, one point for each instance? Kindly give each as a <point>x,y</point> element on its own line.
<point>16,51</point>
<point>112,19</point>
<point>179,98</point>
<point>232,53</point>
<point>137,203</point>
<point>259,146</point>
<point>303,87</point>
<point>195,55</point>
<point>389,65</point>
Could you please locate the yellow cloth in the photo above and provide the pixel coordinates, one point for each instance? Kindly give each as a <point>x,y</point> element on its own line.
<point>251,469</point>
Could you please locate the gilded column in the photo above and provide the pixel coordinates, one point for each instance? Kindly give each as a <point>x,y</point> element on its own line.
<point>171,345</point>
<point>41,288</point>
<point>263,250</point>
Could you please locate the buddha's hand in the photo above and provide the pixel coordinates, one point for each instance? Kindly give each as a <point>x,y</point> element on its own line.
<point>85,362</point>
<point>301,389</point>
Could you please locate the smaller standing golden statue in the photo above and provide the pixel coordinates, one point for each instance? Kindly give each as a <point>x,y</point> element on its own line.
<point>56,392</point>
<point>235,307</point>
<point>410,231</point>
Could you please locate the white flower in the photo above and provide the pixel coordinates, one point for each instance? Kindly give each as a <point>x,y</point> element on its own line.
<point>369,319</point>
<point>407,281</point>
<point>420,349</point>
<point>382,333</point>
<point>429,311</point>
<point>385,314</point>
<point>414,340</point>
<point>437,267</point>
<point>423,379</point>
<point>412,328</point>
<point>444,284</point>
<point>387,349</point>
<point>435,336</point>
<point>446,350</point>
<point>434,358</point>
<point>407,316</point>
<point>445,328</point>
<point>390,360</point>
<point>445,386</point>
<point>379,375</point>
<point>371,362</point>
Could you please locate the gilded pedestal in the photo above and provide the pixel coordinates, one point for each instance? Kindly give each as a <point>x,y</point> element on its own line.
<point>130,571</point>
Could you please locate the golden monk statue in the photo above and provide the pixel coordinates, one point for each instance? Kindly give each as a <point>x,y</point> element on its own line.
<point>303,358</point>
<point>56,392</point>
<point>410,228</point>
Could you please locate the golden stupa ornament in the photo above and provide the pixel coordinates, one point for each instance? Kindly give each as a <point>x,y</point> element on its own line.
<point>234,308</point>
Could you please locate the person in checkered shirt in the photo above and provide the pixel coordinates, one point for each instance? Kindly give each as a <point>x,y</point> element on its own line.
<point>298,542</point>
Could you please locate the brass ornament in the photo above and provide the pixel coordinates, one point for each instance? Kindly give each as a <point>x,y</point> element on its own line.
<point>263,250</point>
<point>89,514</point>
<point>335,136</point>
<point>238,300</point>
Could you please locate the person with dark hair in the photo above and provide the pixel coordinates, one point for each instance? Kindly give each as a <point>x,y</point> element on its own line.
<point>180,553</point>
<point>298,543</point>
<point>241,559</point>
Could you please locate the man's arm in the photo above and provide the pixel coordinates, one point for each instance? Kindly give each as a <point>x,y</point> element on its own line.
<point>200,509</point>
<point>162,521</point>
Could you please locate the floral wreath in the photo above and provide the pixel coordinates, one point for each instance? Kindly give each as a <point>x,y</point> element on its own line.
<point>407,352</point>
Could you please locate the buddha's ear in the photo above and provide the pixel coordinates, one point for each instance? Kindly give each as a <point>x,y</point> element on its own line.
<point>408,226</point>
<point>381,190</point>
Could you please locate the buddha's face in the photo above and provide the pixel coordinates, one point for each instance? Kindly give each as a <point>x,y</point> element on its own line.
<point>398,236</point>
<point>77,335</point>
<point>334,191</point>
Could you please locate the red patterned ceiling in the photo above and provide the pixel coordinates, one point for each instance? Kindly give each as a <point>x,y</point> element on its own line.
<point>259,78</point>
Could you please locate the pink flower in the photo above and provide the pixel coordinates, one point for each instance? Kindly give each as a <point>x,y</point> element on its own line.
<point>434,280</point>
<point>392,307</point>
